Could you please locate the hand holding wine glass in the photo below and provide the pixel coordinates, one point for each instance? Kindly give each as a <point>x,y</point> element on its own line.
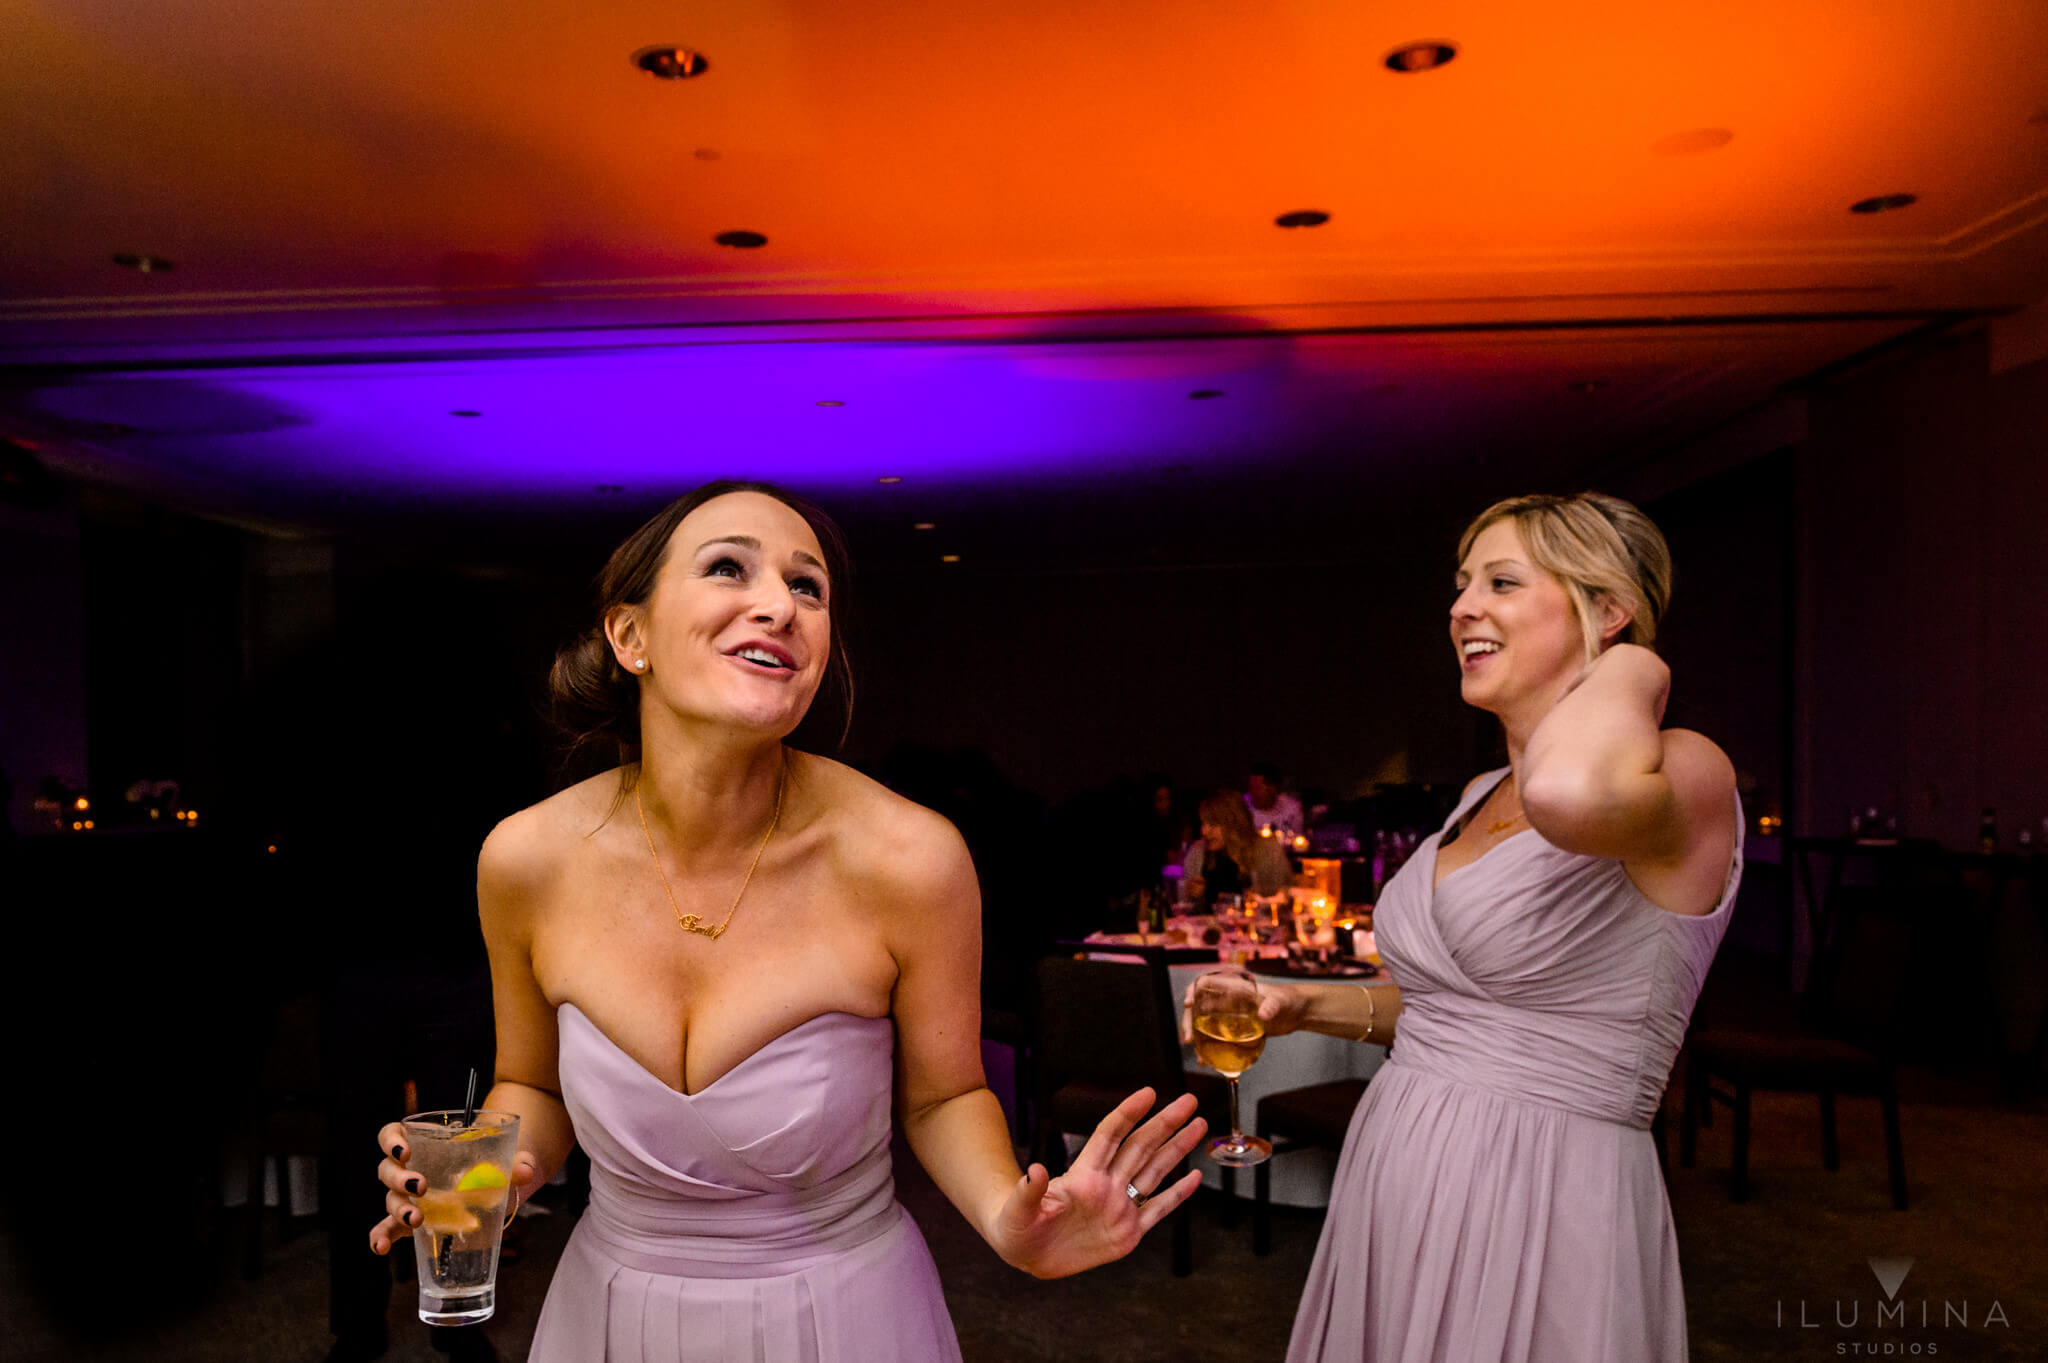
<point>1229,1037</point>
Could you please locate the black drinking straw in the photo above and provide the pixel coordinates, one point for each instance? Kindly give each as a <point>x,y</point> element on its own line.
<point>446,1248</point>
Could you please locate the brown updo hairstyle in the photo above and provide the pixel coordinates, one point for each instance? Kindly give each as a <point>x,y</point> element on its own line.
<point>1597,546</point>
<point>596,703</point>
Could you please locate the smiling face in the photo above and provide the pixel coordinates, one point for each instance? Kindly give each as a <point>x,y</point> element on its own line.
<point>737,629</point>
<point>1513,626</point>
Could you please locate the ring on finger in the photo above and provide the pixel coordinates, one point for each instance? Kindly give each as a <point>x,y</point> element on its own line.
<point>1137,1198</point>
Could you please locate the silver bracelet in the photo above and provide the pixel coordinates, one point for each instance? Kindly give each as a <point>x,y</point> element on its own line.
<point>1371,1014</point>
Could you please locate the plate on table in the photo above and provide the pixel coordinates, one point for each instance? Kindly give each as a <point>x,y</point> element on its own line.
<point>1343,968</point>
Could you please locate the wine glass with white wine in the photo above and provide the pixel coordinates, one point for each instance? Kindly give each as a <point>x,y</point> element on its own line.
<point>1229,1037</point>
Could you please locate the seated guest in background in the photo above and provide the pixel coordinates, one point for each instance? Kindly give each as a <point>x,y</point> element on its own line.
<point>1170,833</point>
<point>1272,807</point>
<point>1498,1195</point>
<point>1230,857</point>
<point>732,1070</point>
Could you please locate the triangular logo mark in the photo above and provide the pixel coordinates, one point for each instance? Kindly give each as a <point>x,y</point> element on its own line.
<point>1890,1273</point>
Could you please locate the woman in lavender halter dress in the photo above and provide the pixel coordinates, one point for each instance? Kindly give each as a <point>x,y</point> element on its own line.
<point>726,967</point>
<point>1499,1195</point>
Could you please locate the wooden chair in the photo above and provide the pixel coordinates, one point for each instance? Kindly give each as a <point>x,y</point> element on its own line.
<point>1298,1119</point>
<point>1102,1029</point>
<point>285,1121</point>
<point>1853,1023</point>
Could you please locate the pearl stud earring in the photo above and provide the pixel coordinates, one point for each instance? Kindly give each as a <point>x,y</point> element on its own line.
<point>640,664</point>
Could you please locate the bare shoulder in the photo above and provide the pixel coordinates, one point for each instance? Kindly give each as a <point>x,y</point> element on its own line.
<point>884,844</point>
<point>1701,781</point>
<point>1701,776</point>
<point>527,851</point>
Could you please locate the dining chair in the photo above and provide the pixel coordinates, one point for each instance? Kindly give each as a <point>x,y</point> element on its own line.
<point>1315,1115</point>
<point>285,1120</point>
<point>1853,1023</point>
<point>1102,1029</point>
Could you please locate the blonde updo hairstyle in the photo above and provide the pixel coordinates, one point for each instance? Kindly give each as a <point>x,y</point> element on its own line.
<point>1599,547</point>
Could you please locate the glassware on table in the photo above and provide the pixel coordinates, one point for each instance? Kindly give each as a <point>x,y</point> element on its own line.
<point>1229,1038</point>
<point>468,1171</point>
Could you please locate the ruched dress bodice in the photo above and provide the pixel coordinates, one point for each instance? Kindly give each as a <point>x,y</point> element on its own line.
<point>1499,1195</point>
<point>754,1219</point>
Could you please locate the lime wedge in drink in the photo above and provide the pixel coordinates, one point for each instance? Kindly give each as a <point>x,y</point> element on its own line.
<point>484,1175</point>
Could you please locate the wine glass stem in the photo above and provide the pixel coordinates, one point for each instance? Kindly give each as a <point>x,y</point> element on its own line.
<point>1236,1131</point>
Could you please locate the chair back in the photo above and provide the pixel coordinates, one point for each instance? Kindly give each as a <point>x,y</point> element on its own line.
<point>1858,990</point>
<point>1107,1021</point>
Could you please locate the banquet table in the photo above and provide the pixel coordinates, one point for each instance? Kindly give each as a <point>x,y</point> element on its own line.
<point>1300,1178</point>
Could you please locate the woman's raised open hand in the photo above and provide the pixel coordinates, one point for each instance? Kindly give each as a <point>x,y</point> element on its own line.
<point>1052,1227</point>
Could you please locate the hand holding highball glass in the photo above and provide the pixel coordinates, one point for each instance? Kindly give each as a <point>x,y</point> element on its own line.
<point>1228,1039</point>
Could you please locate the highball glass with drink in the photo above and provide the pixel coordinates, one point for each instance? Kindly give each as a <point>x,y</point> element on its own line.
<point>468,1170</point>
<point>1229,1038</point>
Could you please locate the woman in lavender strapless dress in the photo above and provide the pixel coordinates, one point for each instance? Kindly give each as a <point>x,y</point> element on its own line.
<point>723,966</point>
<point>1499,1195</point>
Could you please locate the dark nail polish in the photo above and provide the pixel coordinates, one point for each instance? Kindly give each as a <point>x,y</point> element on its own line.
<point>415,1185</point>
<point>398,1152</point>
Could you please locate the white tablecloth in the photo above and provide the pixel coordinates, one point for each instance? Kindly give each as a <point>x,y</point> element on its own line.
<point>1301,1178</point>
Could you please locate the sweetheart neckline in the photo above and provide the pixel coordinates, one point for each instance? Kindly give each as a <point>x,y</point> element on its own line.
<point>744,1060</point>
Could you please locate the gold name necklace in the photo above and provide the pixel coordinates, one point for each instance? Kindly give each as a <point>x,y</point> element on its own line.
<point>692,922</point>
<point>1499,826</point>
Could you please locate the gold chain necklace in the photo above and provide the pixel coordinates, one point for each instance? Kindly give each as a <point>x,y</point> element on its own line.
<point>692,922</point>
<point>1500,826</point>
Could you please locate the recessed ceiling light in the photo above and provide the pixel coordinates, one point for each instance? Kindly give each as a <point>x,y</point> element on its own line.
<point>463,411</point>
<point>889,478</point>
<point>1883,203</point>
<point>1203,394</point>
<point>1307,217</point>
<point>670,62</point>
<point>741,240</point>
<point>949,558</point>
<point>1414,57</point>
<point>142,264</point>
<point>1692,142</point>
<point>830,402</point>
<point>925,525</point>
<point>1588,385</point>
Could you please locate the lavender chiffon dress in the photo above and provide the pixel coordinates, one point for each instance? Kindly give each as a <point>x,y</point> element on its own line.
<point>755,1221</point>
<point>1498,1196</point>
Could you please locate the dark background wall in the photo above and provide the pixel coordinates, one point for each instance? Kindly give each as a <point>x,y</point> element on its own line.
<point>1923,661</point>
<point>42,653</point>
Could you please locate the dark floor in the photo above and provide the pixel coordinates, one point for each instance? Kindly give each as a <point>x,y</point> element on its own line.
<point>1976,1232</point>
